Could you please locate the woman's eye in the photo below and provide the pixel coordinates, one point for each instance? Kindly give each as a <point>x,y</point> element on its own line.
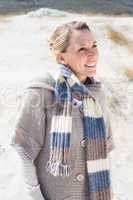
<point>95,45</point>
<point>82,49</point>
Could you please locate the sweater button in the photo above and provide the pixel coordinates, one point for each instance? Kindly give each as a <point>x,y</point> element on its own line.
<point>76,103</point>
<point>80,177</point>
<point>82,143</point>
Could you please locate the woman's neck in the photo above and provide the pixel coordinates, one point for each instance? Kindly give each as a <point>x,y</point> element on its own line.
<point>82,78</point>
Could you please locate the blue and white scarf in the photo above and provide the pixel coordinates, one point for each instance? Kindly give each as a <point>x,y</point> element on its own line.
<point>96,155</point>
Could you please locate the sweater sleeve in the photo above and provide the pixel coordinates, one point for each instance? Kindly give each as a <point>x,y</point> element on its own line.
<point>28,138</point>
<point>29,176</point>
<point>29,128</point>
<point>110,138</point>
<point>107,118</point>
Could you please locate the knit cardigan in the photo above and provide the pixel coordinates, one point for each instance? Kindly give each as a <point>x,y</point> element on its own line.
<point>32,140</point>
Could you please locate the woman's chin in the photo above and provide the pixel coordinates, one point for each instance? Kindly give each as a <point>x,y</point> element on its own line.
<point>91,74</point>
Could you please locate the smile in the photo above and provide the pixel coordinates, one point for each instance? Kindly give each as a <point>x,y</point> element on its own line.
<point>90,66</point>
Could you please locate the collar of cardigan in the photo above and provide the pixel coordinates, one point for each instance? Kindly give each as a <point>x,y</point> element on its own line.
<point>49,79</point>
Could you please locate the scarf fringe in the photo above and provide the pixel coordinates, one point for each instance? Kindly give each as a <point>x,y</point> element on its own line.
<point>58,169</point>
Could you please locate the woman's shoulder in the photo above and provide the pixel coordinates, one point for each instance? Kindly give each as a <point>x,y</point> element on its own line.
<point>46,81</point>
<point>38,90</point>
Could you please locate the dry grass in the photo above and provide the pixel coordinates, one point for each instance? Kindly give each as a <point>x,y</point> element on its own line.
<point>119,38</point>
<point>4,19</point>
<point>128,72</point>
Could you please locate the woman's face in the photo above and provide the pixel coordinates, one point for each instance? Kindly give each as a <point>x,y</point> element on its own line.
<point>81,55</point>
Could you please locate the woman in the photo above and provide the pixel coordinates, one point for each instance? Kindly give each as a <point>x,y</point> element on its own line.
<point>63,133</point>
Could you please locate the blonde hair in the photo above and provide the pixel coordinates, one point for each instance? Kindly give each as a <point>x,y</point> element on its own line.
<point>59,40</point>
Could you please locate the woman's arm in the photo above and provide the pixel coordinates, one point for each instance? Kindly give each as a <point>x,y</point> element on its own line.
<point>28,138</point>
<point>29,176</point>
<point>107,118</point>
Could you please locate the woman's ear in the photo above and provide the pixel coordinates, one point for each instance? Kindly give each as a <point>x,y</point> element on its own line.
<point>61,58</point>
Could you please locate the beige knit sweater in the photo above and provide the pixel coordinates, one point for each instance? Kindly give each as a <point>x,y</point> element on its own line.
<point>32,142</point>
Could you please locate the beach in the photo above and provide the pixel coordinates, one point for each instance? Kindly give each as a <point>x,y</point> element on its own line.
<point>25,54</point>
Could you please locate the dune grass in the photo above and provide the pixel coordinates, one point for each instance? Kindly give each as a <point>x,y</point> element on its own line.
<point>128,72</point>
<point>119,38</point>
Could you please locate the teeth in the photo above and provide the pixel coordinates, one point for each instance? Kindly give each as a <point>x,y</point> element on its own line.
<point>90,65</point>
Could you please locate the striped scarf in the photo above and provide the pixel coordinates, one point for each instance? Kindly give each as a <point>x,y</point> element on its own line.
<point>96,157</point>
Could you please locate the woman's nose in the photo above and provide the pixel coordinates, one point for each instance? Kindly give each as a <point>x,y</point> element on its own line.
<point>93,53</point>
